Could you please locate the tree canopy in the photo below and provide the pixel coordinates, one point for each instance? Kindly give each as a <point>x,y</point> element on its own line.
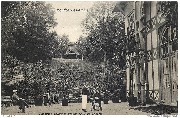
<point>26,30</point>
<point>105,41</point>
<point>63,42</point>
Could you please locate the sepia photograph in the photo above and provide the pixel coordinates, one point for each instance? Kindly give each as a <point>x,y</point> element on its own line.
<point>89,58</point>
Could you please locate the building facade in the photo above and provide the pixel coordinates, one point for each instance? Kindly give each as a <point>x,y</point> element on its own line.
<point>152,57</point>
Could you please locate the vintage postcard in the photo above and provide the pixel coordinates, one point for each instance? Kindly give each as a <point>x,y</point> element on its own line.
<point>89,58</point>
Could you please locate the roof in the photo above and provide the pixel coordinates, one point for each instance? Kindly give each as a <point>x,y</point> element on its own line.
<point>72,50</point>
<point>120,6</point>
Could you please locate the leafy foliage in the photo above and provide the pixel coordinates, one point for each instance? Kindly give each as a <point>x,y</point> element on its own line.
<point>106,40</point>
<point>99,11</point>
<point>25,30</point>
<point>63,42</point>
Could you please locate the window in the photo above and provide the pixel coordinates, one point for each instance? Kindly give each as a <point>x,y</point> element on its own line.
<point>166,63</point>
<point>175,66</point>
<point>137,9</point>
<point>165,50</point>
<point>164,41</point>
<point>158,7</point>
<point>137,26</point>
<point>142,9</point>
<point>163,70</point>
<point>131,20</point>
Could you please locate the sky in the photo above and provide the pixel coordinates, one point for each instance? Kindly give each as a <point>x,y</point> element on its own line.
<point>69,22</point>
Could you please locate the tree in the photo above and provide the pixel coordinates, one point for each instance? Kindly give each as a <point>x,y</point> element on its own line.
<point>25,30</point>
<point>83,46</point>
<point>63,45</point>
<point>106,40</point>
<point>109,41</point>
<point>99,11</point>
<point>106,36</point>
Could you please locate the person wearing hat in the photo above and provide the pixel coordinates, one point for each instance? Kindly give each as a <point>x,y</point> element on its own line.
<point>21,102</point>
<point>22,105</point>
<point>15,97</point>
<point>84,97</point>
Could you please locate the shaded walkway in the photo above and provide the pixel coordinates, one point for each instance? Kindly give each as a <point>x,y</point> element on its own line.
<point>158,109</point>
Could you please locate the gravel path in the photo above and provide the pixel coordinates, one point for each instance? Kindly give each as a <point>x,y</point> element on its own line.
<point>74,108</point>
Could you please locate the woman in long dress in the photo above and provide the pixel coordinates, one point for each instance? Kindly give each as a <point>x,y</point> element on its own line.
<point>84,97</point>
